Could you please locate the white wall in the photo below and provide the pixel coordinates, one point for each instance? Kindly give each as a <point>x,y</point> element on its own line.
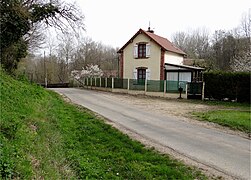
<point>173,58</point>
<point>152,63</point>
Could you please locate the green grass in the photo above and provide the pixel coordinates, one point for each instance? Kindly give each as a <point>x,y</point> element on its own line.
<point>234,115</point>
<point>244,106</point>
<point>238,119</point>
<point>43,137</point>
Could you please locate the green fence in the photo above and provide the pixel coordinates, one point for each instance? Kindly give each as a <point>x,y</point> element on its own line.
<point>194,88</point>
<point>98,82</point>
<point>103,82</point>
<point>120,83</point>
<point>155,86</point>
<point>134,84</point>
<point>173,86</point>
<point>109,82</point>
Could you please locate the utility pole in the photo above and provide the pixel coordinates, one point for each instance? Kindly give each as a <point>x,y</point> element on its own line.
<point>45,73</point>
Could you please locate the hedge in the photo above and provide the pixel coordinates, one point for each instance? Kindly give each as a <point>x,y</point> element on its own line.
<point>230,85</point>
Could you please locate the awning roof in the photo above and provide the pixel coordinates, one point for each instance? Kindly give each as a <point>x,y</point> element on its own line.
<point>169,66</point>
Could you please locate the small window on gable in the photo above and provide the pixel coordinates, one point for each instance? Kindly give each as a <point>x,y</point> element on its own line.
<point>141,50</point>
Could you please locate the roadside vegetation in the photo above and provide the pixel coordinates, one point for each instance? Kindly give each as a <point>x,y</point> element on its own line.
<point>43,137</point>
<point>236,116</point>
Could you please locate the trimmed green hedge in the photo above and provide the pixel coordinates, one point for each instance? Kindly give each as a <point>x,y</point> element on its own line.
<point>231,85</point>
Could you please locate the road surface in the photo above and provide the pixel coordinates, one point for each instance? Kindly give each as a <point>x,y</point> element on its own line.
<point>228,154</point>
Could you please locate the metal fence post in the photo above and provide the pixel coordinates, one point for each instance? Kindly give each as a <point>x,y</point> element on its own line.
<point>112,82</point>
<point>128,84</point>
<point>95,82</point>
<point>100,82</point>
<point>105,82</point>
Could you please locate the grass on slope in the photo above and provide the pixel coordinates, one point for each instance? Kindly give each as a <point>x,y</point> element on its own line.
<point>42,137</point>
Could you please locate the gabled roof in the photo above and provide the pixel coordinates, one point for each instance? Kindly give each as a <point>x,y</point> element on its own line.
<point>162,42</point>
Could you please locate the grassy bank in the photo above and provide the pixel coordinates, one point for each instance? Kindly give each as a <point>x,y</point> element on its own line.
<point>233,115</point>
<point>42,137</point>
<point>234,119</point>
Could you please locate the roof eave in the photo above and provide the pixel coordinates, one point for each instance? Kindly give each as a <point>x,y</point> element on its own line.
<point>131,40</point>
<point>185,66</point>
<point>142,31</point>
<point>183,54</point>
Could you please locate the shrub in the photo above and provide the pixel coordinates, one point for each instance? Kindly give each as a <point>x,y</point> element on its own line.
<point>230,85</point>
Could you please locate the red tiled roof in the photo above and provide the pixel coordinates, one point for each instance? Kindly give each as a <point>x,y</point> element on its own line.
<point>162,42</point>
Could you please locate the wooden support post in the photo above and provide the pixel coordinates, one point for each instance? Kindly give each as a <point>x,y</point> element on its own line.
<point>164,88</point>
<point>145,86</point>
<point>203,91</point>
<point>186,89</point>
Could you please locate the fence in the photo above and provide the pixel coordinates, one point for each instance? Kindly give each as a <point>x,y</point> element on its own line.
<point>195,90</point>
<point>133,84</point>
<point>161,88</point>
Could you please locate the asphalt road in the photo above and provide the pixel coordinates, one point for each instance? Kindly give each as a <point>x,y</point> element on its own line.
<point>227,153</point>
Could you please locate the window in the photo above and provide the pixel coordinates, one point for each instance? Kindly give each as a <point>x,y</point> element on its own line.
<point>141,74</point>
<point>141,50</point>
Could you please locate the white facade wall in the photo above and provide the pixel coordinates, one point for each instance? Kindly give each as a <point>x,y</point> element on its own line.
<point>173,58</point>
<point>152,63</point>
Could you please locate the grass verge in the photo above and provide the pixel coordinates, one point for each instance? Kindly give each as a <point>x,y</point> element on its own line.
<point>236,119</point>
<point>43,137</point>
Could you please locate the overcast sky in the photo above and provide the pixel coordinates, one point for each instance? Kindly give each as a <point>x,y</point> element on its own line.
<point>114,22</point>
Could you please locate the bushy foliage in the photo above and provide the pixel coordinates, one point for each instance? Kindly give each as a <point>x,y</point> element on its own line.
<point>18,17</point>
<point>242,63</point>
<point>228,85</point>
<point>89,70</point>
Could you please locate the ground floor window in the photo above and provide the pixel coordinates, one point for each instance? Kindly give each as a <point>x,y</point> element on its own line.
<point>141,74</point>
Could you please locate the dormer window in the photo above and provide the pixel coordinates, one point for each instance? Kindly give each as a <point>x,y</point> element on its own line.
<point>141,50</point>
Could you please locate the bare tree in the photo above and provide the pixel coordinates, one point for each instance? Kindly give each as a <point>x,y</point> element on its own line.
<point>195,43</point>
<point>246,24</point>
<point>35,38</point>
